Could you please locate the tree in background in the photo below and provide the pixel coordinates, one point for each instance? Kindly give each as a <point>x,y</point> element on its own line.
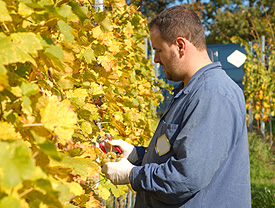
<point>227,18</point>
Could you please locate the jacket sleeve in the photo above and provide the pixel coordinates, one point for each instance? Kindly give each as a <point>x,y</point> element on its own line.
<point>140,151</point>
<point>206,137</point>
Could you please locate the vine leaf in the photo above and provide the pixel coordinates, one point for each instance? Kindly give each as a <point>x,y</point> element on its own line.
<point>4,13</point>
<point>103,192</point>
<point>60,118</point>
<point>3,78</point>
<point>9,133</point>
<point>75,188</point>
<point>28,42</point>
<point>10,202</point>
<point>66,30</point>
<point>15,163</point>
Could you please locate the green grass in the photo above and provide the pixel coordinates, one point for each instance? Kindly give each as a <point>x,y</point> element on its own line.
<point>262,168</point>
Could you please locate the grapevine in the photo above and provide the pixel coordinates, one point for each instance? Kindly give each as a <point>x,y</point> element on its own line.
<point>259,83</point>
<point>62,67</point>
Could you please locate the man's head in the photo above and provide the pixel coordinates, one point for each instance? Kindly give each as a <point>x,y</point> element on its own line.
<point>178,38</point>
<point>180,21</point>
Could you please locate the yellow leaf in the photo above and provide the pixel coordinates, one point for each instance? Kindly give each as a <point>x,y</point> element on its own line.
<point>77,93</point>
<point>118,3</point>
<point>119,126</point>
<point>8,132</point>
<point>97,32</point>
<point>4,79</point>
<point>107,61</point>
<point>59,117</point>
<point>257,116</point>
<point>24,10</point>
<point>93,202</point>
<point>103,192</point>
<point>75,188</point>
<point>97,89</point>
<point>93,109</point>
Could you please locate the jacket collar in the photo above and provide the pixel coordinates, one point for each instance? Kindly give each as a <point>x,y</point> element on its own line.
<point>178,90</point>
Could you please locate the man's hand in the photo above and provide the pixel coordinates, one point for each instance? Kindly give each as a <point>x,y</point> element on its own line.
<point>129,151</point>
<point>118,172</point>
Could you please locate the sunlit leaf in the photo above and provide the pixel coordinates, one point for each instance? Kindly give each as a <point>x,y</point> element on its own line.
<point>75,188</point>
<point>16,163</point>
<point>10,53</point>
<point>60,118</point>
<point>8,132</point>
<point>4,13</point>
<point>66,30</point>
<point>3,78</point>
<point>66,11</point>
<point>56,51</point>
<point>24,10</point>
<point>86,127</point>
<point>26,105</point>
<point>96,89</point>
<point>29,89</point>
<point>10,202</point>
<point>103,192</point>
<point>27,42</point>
<point>78,11</point>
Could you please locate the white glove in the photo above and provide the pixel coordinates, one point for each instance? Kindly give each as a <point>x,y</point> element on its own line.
<point>128,150</point>
<point>118,172</point>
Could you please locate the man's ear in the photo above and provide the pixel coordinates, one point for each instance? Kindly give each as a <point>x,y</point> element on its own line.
<point>181,44</point>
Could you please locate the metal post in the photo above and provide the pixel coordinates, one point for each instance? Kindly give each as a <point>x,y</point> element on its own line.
<point>263,61</point>
<point>250,113</point>
<point>99,5</point>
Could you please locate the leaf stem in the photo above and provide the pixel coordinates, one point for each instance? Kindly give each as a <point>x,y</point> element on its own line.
<point>31,125</point>
<point>25,193</point>
<point>5,26</point>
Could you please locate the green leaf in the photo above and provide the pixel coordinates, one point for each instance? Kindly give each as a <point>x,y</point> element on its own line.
<point>86,127</point>
<point>24,10</point>
<point>27,42</point>
<point>64,193</point>
<point>29,89</point>
<point>66,30</point>
<point>45,2</point>
<point>79,165</point>
<point>4,13</point>
<point>50,149</point>
<point>104,21</point>
<point>10,202</point>
<point>78,11</point>
<point>26,105</point>
<point>88,55</point>
<point>56,51</point>
<point>65,83</point>
<point>10,53</point>
<point>16,163</point>
<point>66,12</point>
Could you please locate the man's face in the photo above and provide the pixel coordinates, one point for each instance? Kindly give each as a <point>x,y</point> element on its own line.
<point>166,55</point>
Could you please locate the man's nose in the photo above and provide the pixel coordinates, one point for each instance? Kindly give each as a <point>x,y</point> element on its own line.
<point>156,59</point>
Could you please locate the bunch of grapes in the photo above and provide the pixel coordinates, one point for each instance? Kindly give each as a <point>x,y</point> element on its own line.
<point>109,157</point>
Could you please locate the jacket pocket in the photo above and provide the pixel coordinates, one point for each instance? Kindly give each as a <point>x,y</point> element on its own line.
<point>164,141</point>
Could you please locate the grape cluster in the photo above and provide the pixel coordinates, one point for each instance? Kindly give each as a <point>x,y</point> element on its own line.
<point>109,157</point>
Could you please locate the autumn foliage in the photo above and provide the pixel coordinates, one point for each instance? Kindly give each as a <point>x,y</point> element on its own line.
<point>68,76</point>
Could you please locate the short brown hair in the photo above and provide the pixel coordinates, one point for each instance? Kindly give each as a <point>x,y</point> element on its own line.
<point>180,21</point>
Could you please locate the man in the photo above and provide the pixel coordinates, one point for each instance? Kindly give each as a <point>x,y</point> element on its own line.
<point>198,156</point>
